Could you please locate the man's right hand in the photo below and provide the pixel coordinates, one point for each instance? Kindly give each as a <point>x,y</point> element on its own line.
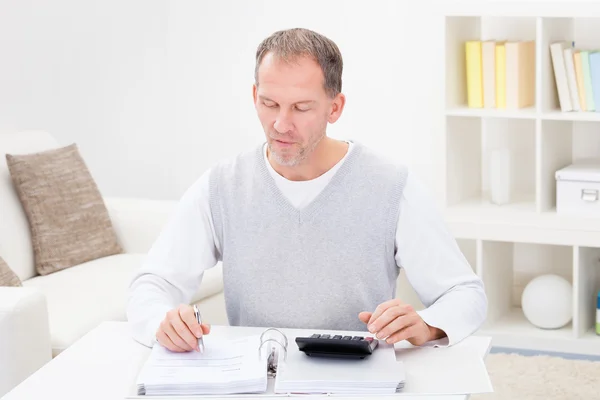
<point>180,331</point>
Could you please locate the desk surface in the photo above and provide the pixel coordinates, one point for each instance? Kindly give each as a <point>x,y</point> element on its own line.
<point>104,365</point>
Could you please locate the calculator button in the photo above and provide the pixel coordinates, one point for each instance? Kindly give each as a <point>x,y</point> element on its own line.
<point>324,336</point>
<point>337,337</point>
<point>347,338</point>
<point>315,336</point>
<point>357,338</point>
<point>369,339</point>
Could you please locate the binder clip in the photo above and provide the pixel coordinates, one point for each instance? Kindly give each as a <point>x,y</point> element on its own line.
<point>277,346</point>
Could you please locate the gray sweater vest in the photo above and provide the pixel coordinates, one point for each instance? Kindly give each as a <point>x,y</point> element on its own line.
<point>316,267</point>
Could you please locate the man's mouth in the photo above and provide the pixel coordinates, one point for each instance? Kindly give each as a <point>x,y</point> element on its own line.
<point>283,142</point>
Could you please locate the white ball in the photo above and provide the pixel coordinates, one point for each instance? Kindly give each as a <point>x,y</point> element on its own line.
<point>547,301</point>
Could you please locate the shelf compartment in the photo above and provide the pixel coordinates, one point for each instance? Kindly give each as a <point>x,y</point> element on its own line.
<point>562,143</point>
<point>470,142</point>
<point>507,268</point>
<point>584,33</point>
<point>586,277</point>
<point>460,29</point>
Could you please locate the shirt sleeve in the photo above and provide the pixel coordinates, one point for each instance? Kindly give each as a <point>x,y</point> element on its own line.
<point>452,293</point>
<point>172,271</point>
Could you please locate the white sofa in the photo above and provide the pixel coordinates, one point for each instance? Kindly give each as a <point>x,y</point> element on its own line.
<point>49,313</point>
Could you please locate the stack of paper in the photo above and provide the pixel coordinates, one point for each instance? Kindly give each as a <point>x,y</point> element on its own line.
<point>379,373</point>
<point>225,367</point>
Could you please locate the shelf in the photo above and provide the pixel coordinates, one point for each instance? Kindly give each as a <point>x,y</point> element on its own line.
<point>514,331</point>
<point>479,219</point>
<point>571,116</point>
<point>515,324</point>
<point>511,244</point>
<point>525,113</point>
<point>464,111</point>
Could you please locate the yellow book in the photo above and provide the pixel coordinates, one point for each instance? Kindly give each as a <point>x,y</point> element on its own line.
<point>474,74</point>
<point>579,78</point>
<point>500,75</point>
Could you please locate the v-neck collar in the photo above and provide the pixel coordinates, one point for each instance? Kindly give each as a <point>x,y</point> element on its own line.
<point>316,204</point>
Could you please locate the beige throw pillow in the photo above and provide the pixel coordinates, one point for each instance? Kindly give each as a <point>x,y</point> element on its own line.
<point>7,276</point>
<point>67,216</point>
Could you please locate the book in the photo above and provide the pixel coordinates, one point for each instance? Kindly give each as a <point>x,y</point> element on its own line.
<point>520,74</point>
<point>579,78</point>
<point>587,80</point>
<point>560,75</point>
<point>261,364</point>
<point>500,75</point>
<point>488,58</point>
<point>594,58</point>
<point>572,78</point>
<point>474,71</point>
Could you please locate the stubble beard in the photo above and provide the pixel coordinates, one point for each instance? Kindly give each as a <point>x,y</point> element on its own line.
<point>302,154</point>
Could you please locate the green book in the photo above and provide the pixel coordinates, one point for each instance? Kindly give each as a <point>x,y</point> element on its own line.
<point>587,81</point>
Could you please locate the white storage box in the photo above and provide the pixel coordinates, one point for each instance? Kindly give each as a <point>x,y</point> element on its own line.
<point>578,189</point>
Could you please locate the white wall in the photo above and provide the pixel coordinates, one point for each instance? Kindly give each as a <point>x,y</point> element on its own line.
<point>154,92</point>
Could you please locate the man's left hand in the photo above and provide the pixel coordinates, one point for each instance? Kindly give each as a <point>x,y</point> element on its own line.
<point>398,321</point>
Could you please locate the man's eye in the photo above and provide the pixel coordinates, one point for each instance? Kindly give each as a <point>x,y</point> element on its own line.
<point>302,109</point>
<point>270,105</point>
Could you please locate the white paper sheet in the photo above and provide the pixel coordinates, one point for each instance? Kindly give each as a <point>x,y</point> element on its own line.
<point>444,370</point>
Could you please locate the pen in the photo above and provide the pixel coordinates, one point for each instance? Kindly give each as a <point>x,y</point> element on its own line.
<point>199,319</point>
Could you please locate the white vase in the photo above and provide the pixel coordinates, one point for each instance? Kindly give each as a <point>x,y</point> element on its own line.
<point>500,160</point>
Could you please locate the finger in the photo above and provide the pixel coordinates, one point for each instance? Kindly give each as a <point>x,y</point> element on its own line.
<point>388,316</point>
<point>396,325</point>
<point>406,333</point>
<point>184,332</point>
<point>205,329</point>
<point>189,318</point>
<point>164,340</point>
<point>174,336</point>
<point>365,316</point>
<point>381,308</point>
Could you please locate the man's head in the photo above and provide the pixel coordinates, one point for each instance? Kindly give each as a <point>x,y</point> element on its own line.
<point>297,91</point>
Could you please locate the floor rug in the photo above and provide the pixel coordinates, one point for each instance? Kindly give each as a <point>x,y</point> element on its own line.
<point>538,377</point>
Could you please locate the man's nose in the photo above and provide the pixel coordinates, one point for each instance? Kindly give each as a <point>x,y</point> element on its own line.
<point>283,123</point>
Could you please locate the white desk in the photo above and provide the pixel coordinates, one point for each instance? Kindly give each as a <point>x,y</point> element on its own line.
<point>103,365</point>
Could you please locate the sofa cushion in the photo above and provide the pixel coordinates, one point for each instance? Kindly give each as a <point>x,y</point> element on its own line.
<point>15,240</point>
<point>68,220</point>
<point>7,276</point>
<point>81,297</point>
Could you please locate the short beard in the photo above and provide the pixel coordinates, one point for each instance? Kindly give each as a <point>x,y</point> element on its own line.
<point>302,155</point>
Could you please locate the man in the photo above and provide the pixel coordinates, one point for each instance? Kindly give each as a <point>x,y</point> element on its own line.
<point>311,231</point>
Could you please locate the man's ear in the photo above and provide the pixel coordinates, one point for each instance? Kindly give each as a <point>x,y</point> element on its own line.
<point>254,93</point>
<point>336,108</point>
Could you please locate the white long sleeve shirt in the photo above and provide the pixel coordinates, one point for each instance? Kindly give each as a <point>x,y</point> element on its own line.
<point>433,263</point>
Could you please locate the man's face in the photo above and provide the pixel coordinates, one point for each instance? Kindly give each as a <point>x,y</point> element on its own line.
<point>292,106</point>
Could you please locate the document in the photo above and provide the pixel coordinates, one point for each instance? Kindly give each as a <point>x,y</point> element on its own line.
<point>225,367</point>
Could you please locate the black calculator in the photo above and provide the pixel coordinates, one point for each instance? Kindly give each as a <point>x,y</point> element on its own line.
<point>337,346</point>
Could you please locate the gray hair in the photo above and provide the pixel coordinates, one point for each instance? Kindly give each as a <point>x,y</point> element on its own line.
<point>288,45</point>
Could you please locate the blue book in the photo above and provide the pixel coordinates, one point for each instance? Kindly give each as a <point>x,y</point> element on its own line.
<point>595,75</point>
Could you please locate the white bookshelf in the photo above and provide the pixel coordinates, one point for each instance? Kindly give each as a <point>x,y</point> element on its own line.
<point>509,245</point>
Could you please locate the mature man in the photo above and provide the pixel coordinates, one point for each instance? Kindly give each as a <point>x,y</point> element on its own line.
<point>311,231</point>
